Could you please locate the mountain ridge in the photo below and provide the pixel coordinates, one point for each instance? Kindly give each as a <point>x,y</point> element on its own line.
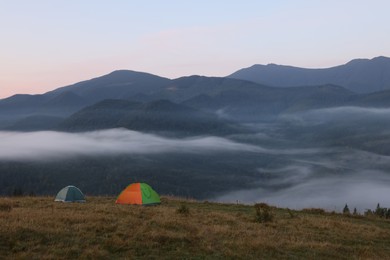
<point>358,75</point>
<point>226,97</point>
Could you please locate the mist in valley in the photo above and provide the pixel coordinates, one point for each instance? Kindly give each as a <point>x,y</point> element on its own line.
<point>49,145</point>
<point>320,158</point>
<point>329,180</point>
<point>351,163</point>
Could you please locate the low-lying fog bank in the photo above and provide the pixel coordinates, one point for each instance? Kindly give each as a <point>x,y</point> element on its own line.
<point>279,169</point>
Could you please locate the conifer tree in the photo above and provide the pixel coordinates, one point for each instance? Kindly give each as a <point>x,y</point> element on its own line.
<point>346,210</point>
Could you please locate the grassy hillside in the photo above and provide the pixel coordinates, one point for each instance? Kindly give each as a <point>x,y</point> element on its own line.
<point>38,228</point>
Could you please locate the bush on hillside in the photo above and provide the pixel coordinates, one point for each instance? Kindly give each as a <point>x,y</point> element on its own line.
<point>263,213</point>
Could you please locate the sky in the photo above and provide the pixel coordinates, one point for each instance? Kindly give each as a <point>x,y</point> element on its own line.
<point>47,44</point>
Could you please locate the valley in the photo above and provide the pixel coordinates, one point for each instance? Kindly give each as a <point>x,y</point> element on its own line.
<point>212,138</point>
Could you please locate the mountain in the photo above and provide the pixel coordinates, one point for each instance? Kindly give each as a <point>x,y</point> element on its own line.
<point>234,97</point>
<point>185,88</point>
<point>252,102</point>
<point>120,84</point>
<point>64,101</point>
<point>20,103</point>
<point>160,116</point>
<point>360,75</point>
<point>18,111</point>
<point>380,99</point>
<point>299,134</point>
<point>35,123</point>
<point>245,100</point>
<point>227,98</point>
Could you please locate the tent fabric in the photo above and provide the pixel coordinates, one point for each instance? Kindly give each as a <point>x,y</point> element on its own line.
<point>70,194</point>
<point>138,194</point>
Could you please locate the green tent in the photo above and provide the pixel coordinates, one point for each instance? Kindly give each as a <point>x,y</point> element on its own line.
<point>70,194</point>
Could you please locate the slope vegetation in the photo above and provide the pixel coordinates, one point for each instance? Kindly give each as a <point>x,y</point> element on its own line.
<point>99,229</point>
<point>156,116</point>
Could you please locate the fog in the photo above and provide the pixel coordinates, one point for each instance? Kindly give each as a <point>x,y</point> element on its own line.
<point>351,111</point>
<point>329,179</point>
<point>45,145</point>
<point>331,193</point>
<point>336,174</point>
<point>339,113</point>
<point>295,174</point>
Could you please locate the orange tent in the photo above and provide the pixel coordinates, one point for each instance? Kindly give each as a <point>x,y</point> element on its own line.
<point>138,193</point>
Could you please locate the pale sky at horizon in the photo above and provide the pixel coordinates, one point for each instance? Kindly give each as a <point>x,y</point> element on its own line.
<point>47,44</point>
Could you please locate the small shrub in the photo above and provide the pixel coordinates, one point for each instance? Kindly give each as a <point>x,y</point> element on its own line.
<point>290,213</point>
<point>387,215</point>
<point>380,212</point>
<point>368,213</point>
<point>263,213</point>
<point>184,210</point>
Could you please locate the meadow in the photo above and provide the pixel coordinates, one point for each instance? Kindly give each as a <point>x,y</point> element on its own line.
<point>39,228</point>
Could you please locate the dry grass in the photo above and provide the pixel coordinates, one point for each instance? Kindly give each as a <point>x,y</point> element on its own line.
<point>38,228</point>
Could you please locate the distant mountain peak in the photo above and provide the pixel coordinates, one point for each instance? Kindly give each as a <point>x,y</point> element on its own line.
<point>356,61</point>
<point>381,58</point>
<point>124,72</point>
<point>119,84</point>
<point>373,60</point>
<point>358,75</point>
